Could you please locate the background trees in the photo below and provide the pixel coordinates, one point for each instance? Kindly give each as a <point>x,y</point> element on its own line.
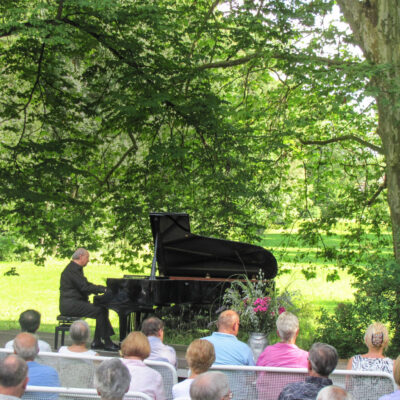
<point>243,114</point>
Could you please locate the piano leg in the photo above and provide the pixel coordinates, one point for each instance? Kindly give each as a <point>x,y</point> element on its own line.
<point>138,321</point>
<point>123,325</point>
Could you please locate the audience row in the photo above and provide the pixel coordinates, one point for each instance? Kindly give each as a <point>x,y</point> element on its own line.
<point>221,348</point>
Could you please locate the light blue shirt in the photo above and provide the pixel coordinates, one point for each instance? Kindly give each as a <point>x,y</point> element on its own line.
<point>392,396</point>
<point>229,350</point>
<point>160,351</point>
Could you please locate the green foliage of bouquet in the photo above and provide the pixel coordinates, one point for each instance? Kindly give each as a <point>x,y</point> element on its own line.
<point>258,303</point>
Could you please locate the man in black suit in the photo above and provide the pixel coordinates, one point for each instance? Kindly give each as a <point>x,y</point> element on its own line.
<point>74,300</point>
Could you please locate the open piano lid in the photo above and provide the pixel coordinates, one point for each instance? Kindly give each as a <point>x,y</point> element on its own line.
<point>181,253</point>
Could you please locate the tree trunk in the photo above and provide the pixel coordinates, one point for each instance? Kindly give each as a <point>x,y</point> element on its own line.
<point>376,28</point>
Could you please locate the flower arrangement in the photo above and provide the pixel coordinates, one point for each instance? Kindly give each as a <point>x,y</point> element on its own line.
<point>257,302</point>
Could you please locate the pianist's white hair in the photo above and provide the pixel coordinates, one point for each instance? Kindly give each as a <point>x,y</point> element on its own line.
<point>78,253</point>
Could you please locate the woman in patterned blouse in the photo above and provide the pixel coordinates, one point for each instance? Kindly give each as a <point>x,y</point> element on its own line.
<point>377,339</point>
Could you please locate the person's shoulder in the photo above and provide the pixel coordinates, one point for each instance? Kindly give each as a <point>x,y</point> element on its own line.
<point>243,345</point>
<point>48,369</point>
<point>290,390</point>
<point>9,345</point>
<point>44,346</point>
<point>156,376</point>
<point>169,347</point>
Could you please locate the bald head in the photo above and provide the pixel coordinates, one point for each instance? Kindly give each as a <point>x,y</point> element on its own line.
<point>26,346</point>
<point>13,376</point>
<point>333,393</point>
<point>228,322</point>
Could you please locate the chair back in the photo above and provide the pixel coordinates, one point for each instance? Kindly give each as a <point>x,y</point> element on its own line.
<point>266,383</point>
<point>77,371</point>
<point>64,393</point>
<point>168,373</point>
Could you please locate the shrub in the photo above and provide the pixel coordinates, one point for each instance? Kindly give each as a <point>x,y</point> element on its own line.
<point>343,330</point>
<point>377,299</point>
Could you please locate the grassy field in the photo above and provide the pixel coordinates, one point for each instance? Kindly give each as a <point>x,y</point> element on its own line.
<point>38,287</point>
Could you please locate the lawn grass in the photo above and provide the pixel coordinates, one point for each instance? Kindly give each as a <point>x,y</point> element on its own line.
<point>38,287</point>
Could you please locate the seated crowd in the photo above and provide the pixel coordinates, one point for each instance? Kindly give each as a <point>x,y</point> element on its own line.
<point>115,377</point>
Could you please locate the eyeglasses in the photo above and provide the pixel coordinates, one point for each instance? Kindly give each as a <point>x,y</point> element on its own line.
<point>228,396</point>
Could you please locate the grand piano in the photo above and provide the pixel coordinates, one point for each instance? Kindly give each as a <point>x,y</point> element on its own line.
<point>192,269</point>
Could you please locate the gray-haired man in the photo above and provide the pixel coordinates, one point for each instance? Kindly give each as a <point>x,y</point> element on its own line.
<point>112,379</point>
<point>13,377</point>
<point>74,300</point>
<point>211,385</point>
<point>322,360</point>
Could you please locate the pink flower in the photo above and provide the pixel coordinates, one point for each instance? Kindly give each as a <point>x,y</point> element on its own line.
<point>281,310</point>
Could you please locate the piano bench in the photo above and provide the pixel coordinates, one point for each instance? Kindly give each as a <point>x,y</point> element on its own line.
<point>64,323</point>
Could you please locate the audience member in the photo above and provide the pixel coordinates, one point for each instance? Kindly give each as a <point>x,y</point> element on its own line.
<point>200,355</point>
<point>13,377</point>
<point>334,393</point>
<point>377,339</point>
<point>285,353</point>
<point>79,333</point>
<point>396,375</point>
<point>153,328</point>
<point>29,321</point>
<point>228,349</point>
<point>26,346</point>
<point>322,360</point>
<point>211,385</point>
<point>112,379</point>
<point>134,349</point>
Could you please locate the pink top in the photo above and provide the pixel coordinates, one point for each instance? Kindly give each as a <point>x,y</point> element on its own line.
<point>145,379</point>
<point>283,355</point>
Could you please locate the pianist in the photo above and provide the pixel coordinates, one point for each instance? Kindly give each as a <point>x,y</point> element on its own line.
<point>74,300</point>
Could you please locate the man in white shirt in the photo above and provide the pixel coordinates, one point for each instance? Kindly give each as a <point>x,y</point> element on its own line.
<point>29,321</point>
<point>153,328</point>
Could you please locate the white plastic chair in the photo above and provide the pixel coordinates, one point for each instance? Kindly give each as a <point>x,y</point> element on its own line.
<point>43,392</point>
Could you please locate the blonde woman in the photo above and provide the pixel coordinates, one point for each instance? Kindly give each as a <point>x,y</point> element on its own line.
<point>200,355</point>
<point>134,349</point>
<point>377,339</point>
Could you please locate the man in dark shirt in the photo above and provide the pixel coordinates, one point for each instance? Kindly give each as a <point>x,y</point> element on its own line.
<point>74,300</point>
<point>322,360</point>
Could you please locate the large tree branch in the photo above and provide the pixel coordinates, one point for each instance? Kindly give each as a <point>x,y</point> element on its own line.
<point>60,9</point>
<point>381,187</point>
<point>341,139</point>
<point>25,108</point>
<point>117,165</point>
<point>277,55</point>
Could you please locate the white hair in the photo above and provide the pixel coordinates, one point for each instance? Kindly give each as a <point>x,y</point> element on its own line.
<point>211,385</point>
<point>112,379</point>
<point>26,351</point>
<point>287,325</point>
<point>333,393</point>
<point>78,253</point>
<point>79,332</point>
